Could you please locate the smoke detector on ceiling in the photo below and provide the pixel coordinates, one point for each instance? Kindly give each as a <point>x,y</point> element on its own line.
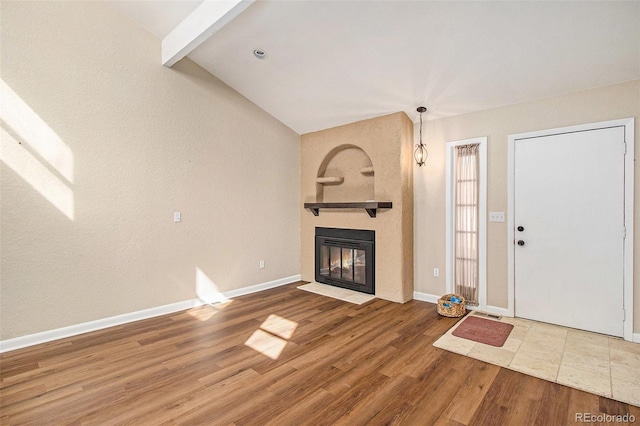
<point>259,53</point>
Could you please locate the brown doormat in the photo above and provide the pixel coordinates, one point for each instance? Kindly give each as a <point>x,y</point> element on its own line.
<point>482,330</point>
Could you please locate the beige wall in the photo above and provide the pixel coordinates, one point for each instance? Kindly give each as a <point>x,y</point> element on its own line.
<point>387,142</point>
<point>605,103</point>
<point>113,144</point>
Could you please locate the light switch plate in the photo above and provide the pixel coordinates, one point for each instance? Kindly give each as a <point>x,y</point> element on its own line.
<point>496,216</point>
<point>176,217</point>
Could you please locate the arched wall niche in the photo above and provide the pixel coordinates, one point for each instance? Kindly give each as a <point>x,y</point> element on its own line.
<point>345,174</point>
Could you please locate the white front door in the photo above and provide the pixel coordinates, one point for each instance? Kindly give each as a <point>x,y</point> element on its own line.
<point>569,229</point>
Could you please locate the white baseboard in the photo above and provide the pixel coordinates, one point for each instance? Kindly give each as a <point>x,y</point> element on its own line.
<point>426,297</point>
<point>260,287</point>
<point>74,330</point>
<point>636,337</point>
<point>432,298</point>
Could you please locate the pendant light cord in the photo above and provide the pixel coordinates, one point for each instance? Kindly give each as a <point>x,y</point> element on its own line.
<point>420,128</point>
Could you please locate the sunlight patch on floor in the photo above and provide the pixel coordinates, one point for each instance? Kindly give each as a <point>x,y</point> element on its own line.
<point>266,343</point>
<point>271,339</point>
<point>279,326</point>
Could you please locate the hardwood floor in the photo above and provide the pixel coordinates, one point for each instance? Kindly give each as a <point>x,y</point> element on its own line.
<point>336,363</point>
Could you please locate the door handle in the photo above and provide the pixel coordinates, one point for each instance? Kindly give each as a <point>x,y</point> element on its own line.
<point>520,228</point>
<point>520,242</point>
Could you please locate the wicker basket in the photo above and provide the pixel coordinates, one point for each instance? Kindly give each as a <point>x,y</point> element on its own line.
<point>454,310</point>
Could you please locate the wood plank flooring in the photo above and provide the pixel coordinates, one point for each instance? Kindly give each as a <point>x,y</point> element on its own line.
<point>328,362</point>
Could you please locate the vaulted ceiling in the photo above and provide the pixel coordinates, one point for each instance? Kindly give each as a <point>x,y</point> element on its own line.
<point>334,62</point>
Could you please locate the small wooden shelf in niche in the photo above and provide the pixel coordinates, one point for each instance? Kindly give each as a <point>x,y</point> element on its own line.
<point>367,170</point>
<point>327,180</point>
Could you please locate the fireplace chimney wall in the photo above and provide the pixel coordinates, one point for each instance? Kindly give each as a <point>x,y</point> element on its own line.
<point>349,152</point>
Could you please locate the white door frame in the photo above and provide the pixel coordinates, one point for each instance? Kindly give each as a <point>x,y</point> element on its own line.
<point>628,124</point>
<point>482,218</point>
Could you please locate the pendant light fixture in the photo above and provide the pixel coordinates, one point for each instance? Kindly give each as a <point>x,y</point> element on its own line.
<point>420,154</point>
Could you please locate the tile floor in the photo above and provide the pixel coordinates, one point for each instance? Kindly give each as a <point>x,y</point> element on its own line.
<point>591,362</point>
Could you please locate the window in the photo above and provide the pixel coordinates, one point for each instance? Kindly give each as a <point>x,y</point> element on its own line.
<point>466,220</point>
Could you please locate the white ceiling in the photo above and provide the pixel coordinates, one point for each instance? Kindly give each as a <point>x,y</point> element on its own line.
<point>336,62</point>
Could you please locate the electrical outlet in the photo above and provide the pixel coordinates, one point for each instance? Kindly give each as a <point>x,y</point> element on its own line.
<point>496,216</point>
<point>177,217</point>
<point>436,272</point>
<point>262,264</point>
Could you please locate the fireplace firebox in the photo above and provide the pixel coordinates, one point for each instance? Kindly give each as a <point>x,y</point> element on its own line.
<point>345,258</point>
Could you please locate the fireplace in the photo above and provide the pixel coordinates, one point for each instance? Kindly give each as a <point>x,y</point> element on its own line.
<point>345,258</point>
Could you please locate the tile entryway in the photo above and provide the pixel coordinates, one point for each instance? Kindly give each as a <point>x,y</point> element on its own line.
<point>587,361</point>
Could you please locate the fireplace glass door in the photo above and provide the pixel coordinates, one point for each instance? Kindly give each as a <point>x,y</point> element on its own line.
<point>344,259</point>
<point>345,264</point>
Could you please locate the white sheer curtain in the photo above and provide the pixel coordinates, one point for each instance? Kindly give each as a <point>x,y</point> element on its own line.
<point>466,222</point>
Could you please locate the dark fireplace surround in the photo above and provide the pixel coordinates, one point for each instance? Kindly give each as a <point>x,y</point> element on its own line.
<point>345,258</point>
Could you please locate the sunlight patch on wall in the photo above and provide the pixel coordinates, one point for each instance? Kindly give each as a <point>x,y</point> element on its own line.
<point>20,120</point>
<point>271,339</point>
<point>34,131</point>
<point>32,171</point>
<point>207,290</point>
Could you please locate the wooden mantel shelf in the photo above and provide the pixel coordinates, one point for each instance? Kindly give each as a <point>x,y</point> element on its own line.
<point>370,206</point>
